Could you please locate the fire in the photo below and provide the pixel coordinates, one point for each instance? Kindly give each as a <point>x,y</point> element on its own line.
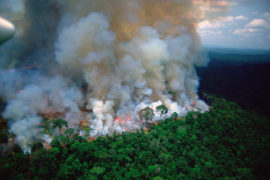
<point>106,59</point>
<point>32,67</point>
<point>121,120</point>
<point>92,139</point>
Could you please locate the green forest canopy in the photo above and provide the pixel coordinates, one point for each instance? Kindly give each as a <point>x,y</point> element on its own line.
<point>225,143</point>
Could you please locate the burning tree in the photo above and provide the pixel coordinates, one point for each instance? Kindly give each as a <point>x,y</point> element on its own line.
<point>59,123</point>
<point>146,114</point>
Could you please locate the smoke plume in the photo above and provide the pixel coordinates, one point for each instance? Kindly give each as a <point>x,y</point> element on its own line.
<point>100,62</point>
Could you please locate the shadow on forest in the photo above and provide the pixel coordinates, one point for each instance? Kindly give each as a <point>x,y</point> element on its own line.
<point>243,77</point>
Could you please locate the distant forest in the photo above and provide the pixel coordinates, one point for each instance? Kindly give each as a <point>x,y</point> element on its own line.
<point>238,75</point>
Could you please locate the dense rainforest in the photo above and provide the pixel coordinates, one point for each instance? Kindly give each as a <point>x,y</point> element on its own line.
<point>240,76</point>
<point>227,142</point>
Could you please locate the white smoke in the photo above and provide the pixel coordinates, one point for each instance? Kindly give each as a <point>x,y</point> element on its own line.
<point>102,62</point>
<point>46,95</point>
<point>121,73</point>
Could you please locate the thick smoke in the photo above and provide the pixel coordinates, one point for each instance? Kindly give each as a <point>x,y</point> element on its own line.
<point>100,63</point>
<point>42,96</point>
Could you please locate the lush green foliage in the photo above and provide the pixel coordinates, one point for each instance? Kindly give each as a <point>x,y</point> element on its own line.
<point>59,123</point>
<point>162,109</point>
<point>226,143</point>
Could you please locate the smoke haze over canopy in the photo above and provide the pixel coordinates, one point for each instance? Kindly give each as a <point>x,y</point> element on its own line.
<point>112,58</point>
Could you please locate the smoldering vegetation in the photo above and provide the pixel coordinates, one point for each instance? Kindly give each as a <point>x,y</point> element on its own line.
<point>95,62</point>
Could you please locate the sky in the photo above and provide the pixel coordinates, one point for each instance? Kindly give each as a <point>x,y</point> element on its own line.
<point>233,23</point>
<point>246,25</point>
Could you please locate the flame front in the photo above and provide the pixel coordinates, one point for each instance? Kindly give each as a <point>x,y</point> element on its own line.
<point>98,63</point>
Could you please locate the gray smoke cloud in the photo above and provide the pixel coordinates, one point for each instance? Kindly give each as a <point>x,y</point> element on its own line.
<point>99,62</point>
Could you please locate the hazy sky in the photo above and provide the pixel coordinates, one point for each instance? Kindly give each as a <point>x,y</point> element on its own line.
<point>245,25</point>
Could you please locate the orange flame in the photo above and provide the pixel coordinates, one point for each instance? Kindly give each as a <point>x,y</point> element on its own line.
<point>91,139</point>
<point>118,119</point>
